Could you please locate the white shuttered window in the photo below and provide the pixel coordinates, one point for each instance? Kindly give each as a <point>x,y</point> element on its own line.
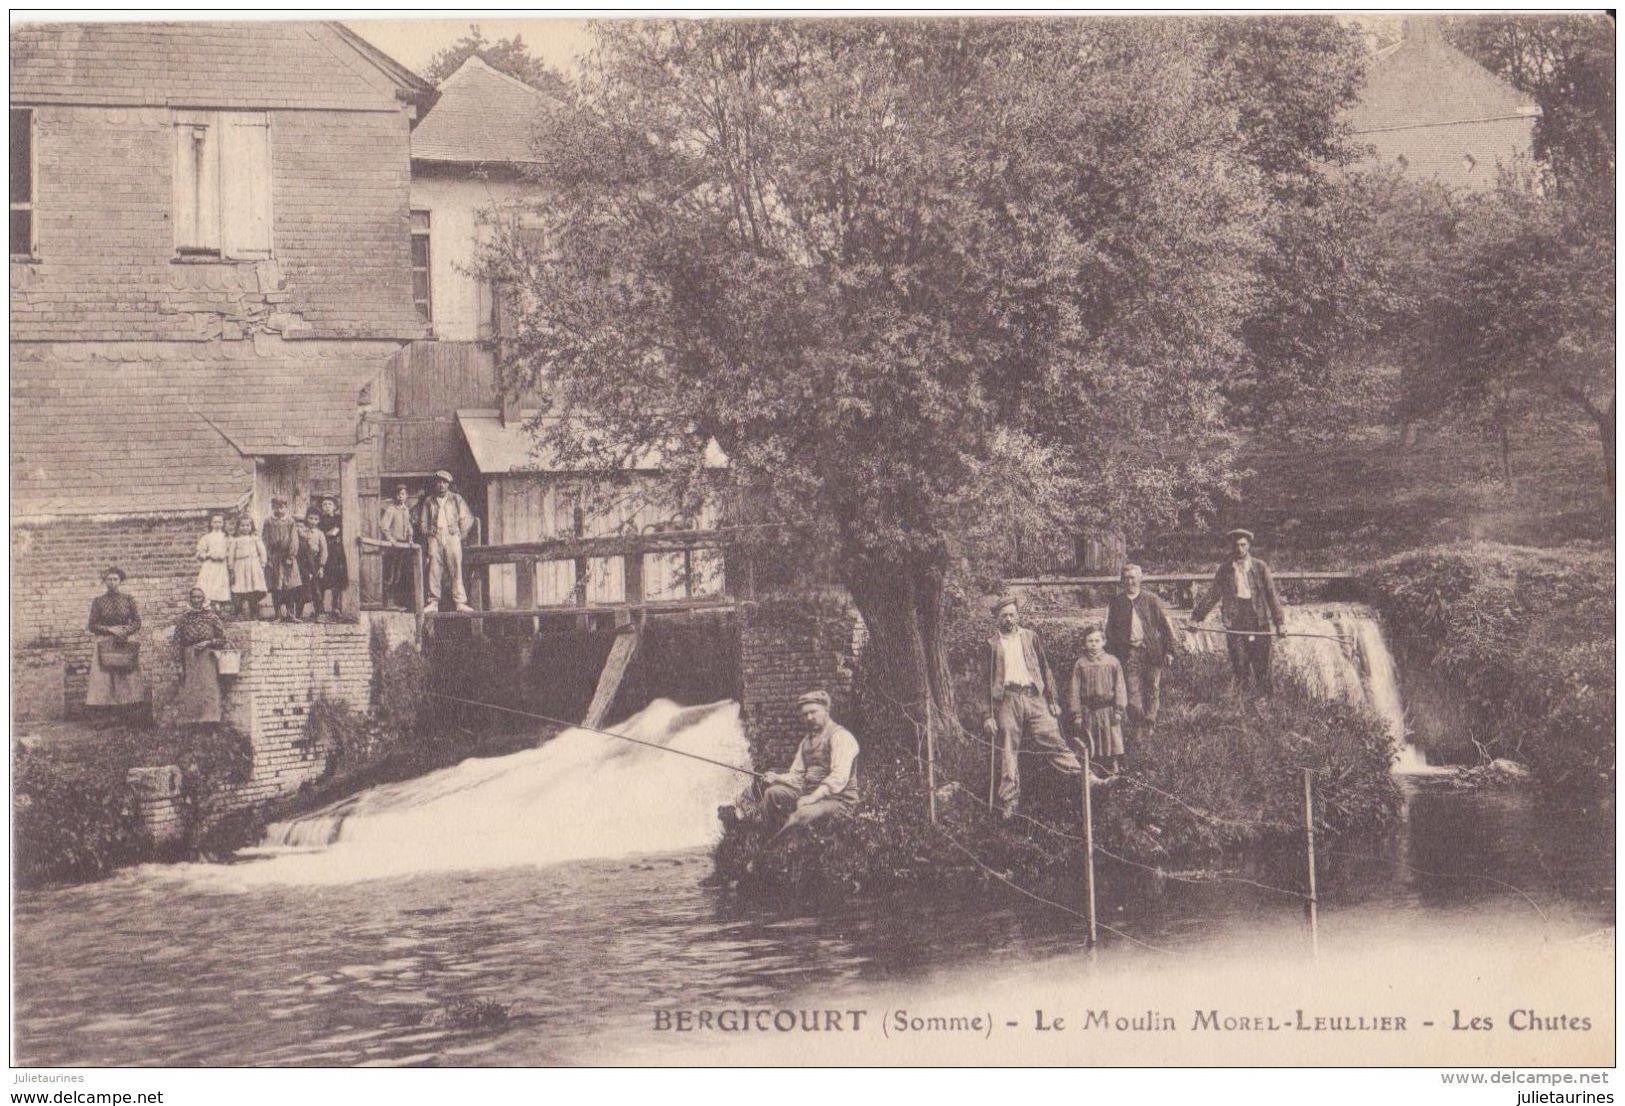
<point>223,184</point>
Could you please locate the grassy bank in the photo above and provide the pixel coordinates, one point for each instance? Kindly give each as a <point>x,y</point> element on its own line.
<point>1218,784</point>
<point>1508,651</point>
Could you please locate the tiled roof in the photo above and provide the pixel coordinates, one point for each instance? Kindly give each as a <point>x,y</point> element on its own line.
<point>138,428</point>
<point>482,116</point>
<point>260,64</point>
<point>1425,81</point>
<point>513,448</point>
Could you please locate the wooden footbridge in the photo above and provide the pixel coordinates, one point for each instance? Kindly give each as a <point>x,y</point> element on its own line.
<point>530,608</point>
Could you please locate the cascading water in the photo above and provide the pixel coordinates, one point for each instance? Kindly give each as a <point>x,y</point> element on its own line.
<point>581,795</point>
<point>1350,661</point>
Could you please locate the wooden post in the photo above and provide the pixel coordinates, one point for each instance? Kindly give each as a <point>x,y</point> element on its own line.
<point>1309,852</point>
<point>993,770</point>
<point>350,506</point>
<point>930,768</point>
<point>1089,845</point>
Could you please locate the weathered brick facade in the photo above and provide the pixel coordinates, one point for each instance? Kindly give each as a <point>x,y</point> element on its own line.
<point>150,387</point>
<point>286,668</point>
<point>56,571</point>
<point>789,645</point>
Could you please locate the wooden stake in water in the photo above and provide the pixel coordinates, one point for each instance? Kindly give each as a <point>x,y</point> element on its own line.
<point>1089,846</point>
<point>1309,850</point>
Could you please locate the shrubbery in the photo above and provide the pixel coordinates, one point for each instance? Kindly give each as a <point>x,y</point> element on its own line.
<point>74,814</point>
<point>1511,650</point>
<point>1219,781</point>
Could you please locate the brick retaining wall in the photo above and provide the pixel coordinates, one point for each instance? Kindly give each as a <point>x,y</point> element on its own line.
<point>788,645</point>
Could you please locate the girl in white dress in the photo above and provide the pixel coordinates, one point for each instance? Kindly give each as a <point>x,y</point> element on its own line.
<point>213,577</point>
<point>247,562</point>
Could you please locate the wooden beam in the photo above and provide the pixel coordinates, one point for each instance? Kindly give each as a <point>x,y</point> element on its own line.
<point>566,549</point>
<point>350,534</point>
<point>1163,578</point>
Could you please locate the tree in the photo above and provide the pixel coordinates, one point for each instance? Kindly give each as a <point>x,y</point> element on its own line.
<point>1566,62</point>
<point>890,266</point>
<point>507,55</point>
<point>1290,81</point>
<point>1520,311</point>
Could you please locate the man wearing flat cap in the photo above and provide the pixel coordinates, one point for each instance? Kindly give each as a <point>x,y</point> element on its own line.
<point>1022,704</point>
<point>445,521</point>
<point>1244,592</point>
<point>822,780</point>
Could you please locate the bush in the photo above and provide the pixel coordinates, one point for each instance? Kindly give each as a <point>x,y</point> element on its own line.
<point>1218,783</point>
<point>1510,650</point>
<point>400,691</point>
<point>71,820</point>
<point>350,739</point>
<point>75,815</point>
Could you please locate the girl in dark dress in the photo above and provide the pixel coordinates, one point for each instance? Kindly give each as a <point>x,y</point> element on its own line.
<point>336,576</point>
<point>312,557</point>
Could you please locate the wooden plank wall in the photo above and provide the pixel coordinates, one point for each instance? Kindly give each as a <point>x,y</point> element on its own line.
<point>434,379</point>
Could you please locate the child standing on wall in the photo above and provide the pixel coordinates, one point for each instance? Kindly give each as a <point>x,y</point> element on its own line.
<point>1097,697</point>
<point>213,578</point>
<point>282,562</point>
<point>248,564</point>
<point>312,556</point>
<point>336,573</point>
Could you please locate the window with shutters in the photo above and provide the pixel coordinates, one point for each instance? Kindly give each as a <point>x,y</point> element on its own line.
<point>22,182</point>
<point>223,184</point>
<point>422,294</point>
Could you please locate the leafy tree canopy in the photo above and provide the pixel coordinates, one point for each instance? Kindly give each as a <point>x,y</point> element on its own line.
<point>1566,62</point>
<point>901,269</point>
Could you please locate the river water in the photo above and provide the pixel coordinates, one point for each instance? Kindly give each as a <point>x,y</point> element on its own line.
<point>337,944</point>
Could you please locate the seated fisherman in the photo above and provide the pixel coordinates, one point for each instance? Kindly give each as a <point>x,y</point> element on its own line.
<point>821,781</point>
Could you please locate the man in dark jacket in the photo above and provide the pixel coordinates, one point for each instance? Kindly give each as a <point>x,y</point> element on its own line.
<point>1141,636</point>
<point>1245,594</point>
<point>1022,705</point>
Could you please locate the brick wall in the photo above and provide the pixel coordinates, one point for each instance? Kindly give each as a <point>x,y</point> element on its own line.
<point>106,268</point>
<point>286,668</point>
<point>55,573</point>
<point>789,645</point>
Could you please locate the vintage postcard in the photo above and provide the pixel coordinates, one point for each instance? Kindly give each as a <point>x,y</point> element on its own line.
<point>899,541</point>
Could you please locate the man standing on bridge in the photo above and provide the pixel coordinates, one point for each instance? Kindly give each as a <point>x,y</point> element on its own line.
<point>1251,611</point>
<point>445,522</point>
<point>822,780</point>
<point>1022,704</point>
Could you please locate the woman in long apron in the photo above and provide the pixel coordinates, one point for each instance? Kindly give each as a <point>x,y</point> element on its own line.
<point>198,634</point>
<point>118,686</point>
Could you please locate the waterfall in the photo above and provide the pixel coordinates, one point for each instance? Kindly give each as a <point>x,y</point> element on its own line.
<point>1351,662</point>
<point>581,795</point>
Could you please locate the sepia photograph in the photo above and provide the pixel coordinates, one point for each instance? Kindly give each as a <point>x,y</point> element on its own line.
<point>744,540</point>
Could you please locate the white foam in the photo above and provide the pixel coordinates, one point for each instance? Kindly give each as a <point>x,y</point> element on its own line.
<point>582,795</point>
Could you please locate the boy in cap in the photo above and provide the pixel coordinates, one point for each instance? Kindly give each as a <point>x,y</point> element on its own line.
<point>445,521</point>
<point>822,780</point>
<point>1022,704</point>
<point>1244,592</point>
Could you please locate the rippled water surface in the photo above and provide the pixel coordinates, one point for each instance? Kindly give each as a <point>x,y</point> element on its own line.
<point>215,965</point>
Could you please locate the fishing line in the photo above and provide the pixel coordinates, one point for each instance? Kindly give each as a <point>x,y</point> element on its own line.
<point>605,733</point>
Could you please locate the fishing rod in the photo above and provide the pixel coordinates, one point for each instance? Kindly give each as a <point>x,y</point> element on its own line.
<point>596,730</point>
<point>1263,633</point>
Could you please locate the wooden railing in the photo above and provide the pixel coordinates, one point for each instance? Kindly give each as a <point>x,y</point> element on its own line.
<point>1185,585</point>
<point>630,548</point>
